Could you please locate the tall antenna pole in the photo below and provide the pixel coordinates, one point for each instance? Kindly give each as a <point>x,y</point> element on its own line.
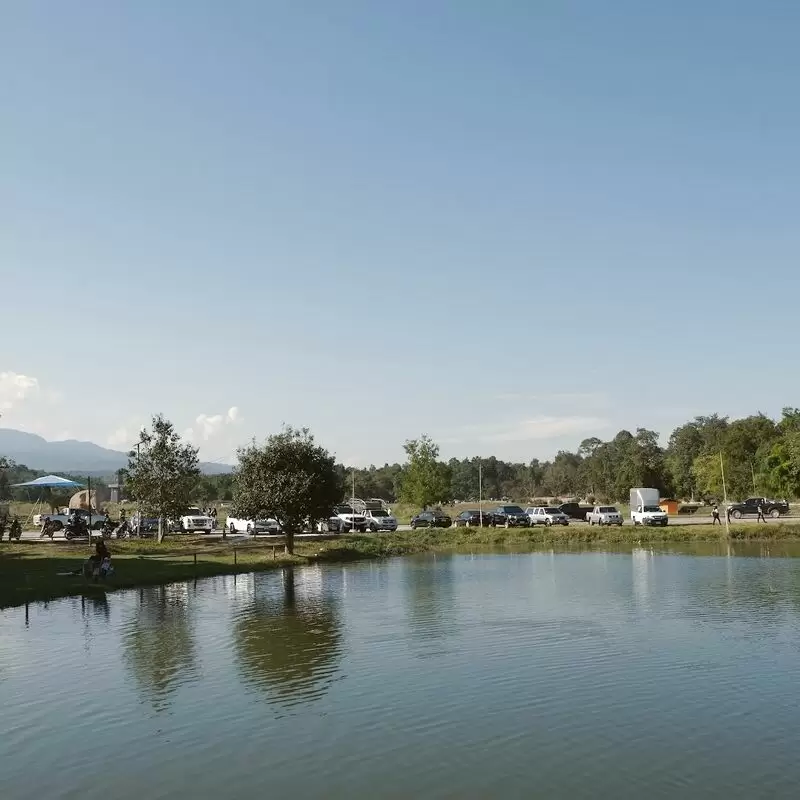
<point>725,494</point>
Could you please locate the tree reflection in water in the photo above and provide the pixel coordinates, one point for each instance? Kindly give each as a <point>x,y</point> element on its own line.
<point>430,595</point>
<point>289,641</point>
<point>158,642</point>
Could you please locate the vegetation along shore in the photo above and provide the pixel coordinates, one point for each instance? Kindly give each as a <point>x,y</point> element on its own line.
<point>33,571</point>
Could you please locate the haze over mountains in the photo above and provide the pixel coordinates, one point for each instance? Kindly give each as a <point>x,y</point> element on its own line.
<point>71,455</point>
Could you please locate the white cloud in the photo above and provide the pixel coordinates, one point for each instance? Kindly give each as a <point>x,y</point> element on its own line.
<point>209,425</point>
<point>126,435</point>
<point>15,388</point>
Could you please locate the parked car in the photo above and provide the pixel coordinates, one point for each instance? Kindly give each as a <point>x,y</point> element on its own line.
<point>378,520</point>
<point>333,525</point>
<point>195,521</point>
<point>604,515</point>
<point>145,525</point>
<point>239,525</point>
<point>749,508</point>
<point>431,519</point>
<point>351,520</point>
<point>476,518</point>
<point>511,517</point>
<point>546,515</point>
<point>575,510</point>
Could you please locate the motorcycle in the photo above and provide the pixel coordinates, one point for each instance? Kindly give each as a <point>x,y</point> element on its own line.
<point>76,529</point>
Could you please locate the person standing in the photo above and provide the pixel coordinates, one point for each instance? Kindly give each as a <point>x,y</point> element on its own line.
<point>761,517</point>
<point>715,520</point>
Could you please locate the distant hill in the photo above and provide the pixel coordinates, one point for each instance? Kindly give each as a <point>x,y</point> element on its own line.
<point>83,458</point>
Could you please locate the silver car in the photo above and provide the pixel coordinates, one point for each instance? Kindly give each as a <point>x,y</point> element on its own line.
<point>546,515</point>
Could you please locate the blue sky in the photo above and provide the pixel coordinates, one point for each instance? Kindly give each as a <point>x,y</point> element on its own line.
<point>508,225</point>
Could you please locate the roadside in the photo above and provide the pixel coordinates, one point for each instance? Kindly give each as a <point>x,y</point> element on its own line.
<point>32,571</point>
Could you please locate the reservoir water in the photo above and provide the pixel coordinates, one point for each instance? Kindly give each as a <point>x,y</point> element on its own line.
<point>577,675</point>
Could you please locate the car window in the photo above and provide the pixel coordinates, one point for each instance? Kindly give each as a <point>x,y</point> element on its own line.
<point>550,511</point>
<point>608,510</point>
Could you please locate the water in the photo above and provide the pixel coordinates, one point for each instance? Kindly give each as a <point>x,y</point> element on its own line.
<point>630,674</point>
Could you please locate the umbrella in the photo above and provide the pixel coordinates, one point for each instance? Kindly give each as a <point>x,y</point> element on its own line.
<point>49,482</point>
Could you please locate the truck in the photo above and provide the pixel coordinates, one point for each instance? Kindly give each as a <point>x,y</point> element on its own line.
<point>604,515</point>
<point>195,521</point>
<point>60,519</point>
<point>645,509</point>
<point>749,508</point>
<point>350,518</point>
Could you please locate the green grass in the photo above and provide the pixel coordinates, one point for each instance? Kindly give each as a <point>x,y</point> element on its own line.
<point>29,571</point>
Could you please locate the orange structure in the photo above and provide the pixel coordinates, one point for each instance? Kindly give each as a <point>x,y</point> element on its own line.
<point>670,506</point>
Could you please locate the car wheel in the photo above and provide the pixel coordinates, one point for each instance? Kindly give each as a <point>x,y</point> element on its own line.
<point>57,526</point>
<point>737,514</point>
<point>547,523</point>
<point>774,513</point>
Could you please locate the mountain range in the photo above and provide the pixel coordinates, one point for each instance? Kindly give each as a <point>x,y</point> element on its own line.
<point>83,458</point>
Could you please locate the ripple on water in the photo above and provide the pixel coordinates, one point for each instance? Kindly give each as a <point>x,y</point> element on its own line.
<point>576,676</point>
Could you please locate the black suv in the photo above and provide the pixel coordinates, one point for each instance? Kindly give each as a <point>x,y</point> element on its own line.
<point>431,519</point>
<point>470,518</point>
<point>511,517</point>
<point>749,508</point>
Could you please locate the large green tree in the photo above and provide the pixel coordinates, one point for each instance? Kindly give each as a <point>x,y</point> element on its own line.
<point>289,478</point>
<point>426,480</point>
<point>162,473</point>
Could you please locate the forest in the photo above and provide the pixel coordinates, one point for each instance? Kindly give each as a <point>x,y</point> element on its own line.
<point>757,455</point>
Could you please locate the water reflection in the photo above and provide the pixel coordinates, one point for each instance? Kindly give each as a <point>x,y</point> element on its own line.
<point>289,639</point>
<point>158,642</point>
<point>430,596</point>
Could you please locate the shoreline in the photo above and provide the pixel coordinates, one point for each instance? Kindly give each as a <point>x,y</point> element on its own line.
<point>35,572</point>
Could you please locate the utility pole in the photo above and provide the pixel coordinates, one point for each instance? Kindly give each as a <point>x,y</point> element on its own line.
<point>480,490</point>
<point>725,495</point>
<point>138,502</point>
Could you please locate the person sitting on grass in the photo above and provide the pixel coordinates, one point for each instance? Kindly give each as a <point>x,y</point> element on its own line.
<point>99,564</point>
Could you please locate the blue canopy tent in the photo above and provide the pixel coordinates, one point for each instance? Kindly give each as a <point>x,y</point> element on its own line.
<point>53,482</point>
<point>49,482</point>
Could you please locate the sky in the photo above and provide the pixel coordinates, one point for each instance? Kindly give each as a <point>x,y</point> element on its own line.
<point>507,225</point>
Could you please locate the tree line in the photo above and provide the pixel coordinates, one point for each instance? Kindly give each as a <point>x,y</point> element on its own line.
<point>756,454</point>
<point>291,478</point>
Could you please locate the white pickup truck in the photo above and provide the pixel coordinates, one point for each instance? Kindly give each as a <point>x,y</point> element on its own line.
<point>195,521</point>
<point>60,519</point>
<point>351,520</point>
<point>604,515</point>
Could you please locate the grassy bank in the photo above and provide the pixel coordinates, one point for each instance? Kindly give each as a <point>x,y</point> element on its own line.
<point>31,571</point>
